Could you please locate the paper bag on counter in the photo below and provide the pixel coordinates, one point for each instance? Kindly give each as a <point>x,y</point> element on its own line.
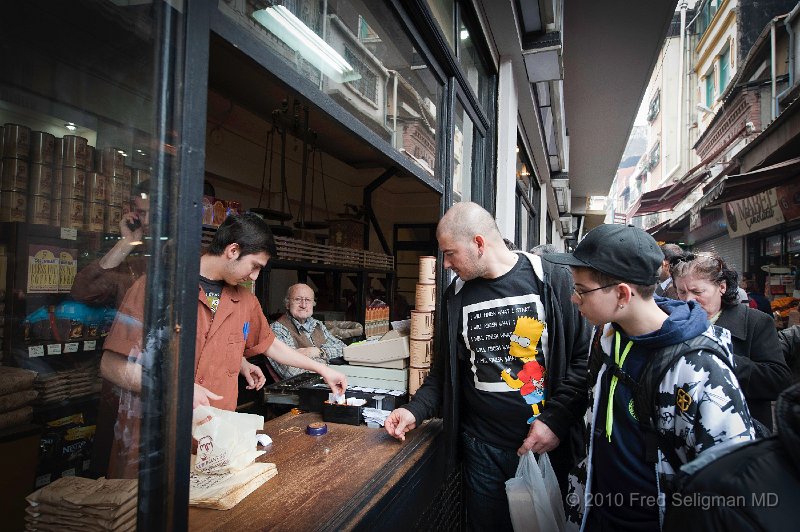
<point>223,492</point>
<point>226,441</point>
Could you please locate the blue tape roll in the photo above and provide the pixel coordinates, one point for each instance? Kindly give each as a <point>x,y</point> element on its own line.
<point>316,429</point>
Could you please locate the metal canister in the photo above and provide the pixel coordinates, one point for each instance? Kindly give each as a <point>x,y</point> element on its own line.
<point>95,216</point>
<point>73,212</point>
<point>91,164</point>
<point>96,187</point>
<point>16,141</point>
<point>15,175</point>
<point>43,147</point>
<point>139,176</point>
<point>113,217</point>
<point>40,207</point>
<point>58,152</point>
<point>73,182</point>
<point>13,206</point>
<point>112,161</point>
<point>58,179</point>
<point>41,180</point>
<point>118,190</point>
<point>55,212</point>
<point>74,149</point>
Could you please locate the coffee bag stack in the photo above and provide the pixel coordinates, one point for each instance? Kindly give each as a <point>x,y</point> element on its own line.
<point>82,504</point>
<point>421,341</point>
<point>84,379</point>
<point>16,395</point>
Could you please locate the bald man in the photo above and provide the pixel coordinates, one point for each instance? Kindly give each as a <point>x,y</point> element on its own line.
<point>510,372</point>
<point>298,329</point>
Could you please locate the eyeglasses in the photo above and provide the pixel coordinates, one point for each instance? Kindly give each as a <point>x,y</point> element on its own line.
<point>581,294</point>
<point>299,300</point>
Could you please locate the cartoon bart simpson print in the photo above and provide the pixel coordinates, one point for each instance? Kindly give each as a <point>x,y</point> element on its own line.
<point>530,379</point>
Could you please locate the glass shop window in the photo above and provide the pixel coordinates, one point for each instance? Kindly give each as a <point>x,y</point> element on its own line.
<point>79,227</point>
<point>357,53</point>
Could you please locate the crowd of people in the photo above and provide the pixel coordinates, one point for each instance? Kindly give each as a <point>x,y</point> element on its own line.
<point>639,369</point>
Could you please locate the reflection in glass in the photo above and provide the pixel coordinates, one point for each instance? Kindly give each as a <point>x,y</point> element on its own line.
<point>357,53</point>
<point>444,12</point>
<point>471,63</point>
<point>463,142</point>
<point>79,144</point>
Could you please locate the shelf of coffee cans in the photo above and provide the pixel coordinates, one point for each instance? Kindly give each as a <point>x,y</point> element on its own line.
<point>294,250</point>
<point>291,249</point>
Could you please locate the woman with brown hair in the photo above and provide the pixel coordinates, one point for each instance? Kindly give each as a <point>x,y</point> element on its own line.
<point>759,363</point>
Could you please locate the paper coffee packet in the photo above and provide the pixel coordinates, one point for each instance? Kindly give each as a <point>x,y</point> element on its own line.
<point>226,441</point>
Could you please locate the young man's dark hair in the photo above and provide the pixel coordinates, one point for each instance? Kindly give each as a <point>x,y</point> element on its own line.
<point>248,230</point>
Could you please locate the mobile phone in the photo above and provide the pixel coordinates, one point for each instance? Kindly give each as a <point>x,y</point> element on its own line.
<point>134,224</point>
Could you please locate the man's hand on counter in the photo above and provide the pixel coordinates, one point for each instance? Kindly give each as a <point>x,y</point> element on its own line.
<point>252,374</point>
<point>202,396</point>
<point>399,422</point>
<point>337,381</point>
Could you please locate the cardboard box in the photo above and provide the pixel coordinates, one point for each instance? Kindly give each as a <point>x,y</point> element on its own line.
<point>382,378</point>
<point>392,364</point>
<point>391,346</point>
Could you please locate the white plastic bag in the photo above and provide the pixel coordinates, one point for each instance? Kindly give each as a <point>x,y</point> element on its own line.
<point>534,498</point>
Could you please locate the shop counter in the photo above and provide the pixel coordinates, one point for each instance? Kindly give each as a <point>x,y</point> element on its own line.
<point>352,477</point>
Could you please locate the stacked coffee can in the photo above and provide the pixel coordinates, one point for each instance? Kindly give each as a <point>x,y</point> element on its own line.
<point>118,186</point>
<point>15,148</point>
<point>41,178</point>
<point>70,172</point>
<point>421,341</point>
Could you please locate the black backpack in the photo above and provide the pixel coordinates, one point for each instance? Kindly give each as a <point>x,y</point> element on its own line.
<point>645,389</point>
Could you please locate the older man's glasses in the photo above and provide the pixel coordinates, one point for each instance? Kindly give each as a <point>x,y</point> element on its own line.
<point>301,300</point>
<point>581,294</point>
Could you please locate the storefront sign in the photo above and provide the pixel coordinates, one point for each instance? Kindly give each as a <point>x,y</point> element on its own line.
<point>789,200</point>
<point>754,213</point>
<point>705,224</point>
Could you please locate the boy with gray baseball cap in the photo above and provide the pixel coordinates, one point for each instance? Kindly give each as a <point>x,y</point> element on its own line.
<point>657,372</point>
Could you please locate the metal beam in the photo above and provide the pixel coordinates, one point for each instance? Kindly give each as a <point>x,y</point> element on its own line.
<point>368,190</point>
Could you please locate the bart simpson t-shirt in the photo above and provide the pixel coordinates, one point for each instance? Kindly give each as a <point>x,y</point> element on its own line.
<point>502,352</point>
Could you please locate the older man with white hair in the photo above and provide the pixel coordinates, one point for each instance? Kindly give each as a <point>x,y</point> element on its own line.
<point>297,328</point>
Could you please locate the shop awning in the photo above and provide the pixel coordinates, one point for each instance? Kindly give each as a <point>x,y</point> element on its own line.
<point>658,227</point>
<point>666,198</point>
<point>740,186</point>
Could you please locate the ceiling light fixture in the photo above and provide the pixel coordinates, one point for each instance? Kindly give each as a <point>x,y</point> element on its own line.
<point>71,126</point>
<point>295,34</point>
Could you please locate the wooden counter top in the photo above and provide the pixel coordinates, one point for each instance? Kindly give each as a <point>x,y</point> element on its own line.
<point>324,482</point>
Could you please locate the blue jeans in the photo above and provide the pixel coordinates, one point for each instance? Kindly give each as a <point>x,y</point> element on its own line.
<point>486,469</point>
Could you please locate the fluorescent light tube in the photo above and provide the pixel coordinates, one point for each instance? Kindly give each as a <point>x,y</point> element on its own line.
<point>299,37</point>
